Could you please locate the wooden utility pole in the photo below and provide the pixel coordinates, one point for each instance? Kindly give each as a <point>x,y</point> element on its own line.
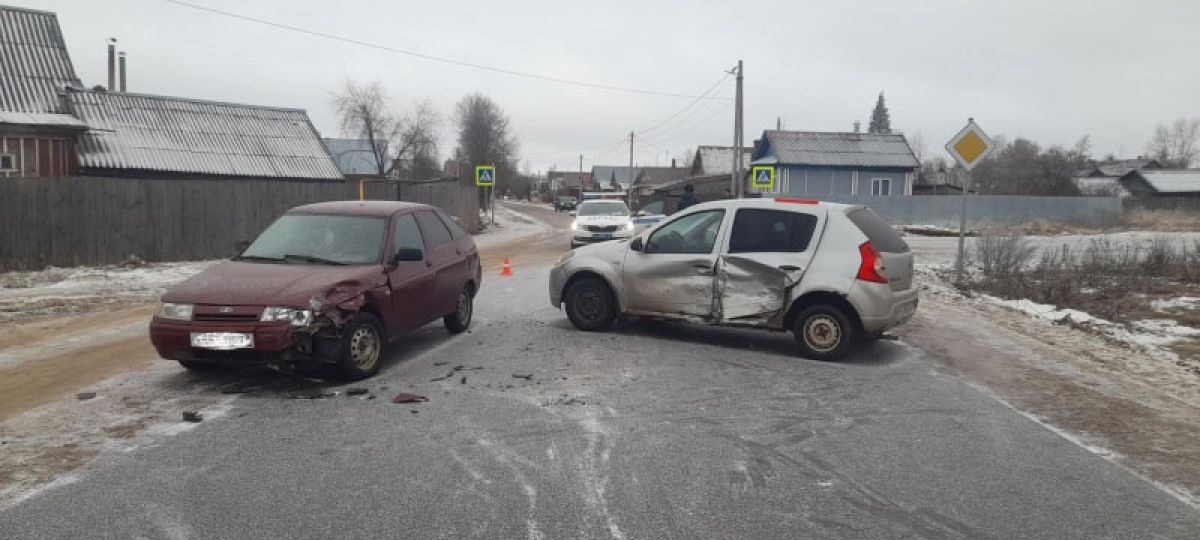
<point>629,192</point>
<point>736,180</point>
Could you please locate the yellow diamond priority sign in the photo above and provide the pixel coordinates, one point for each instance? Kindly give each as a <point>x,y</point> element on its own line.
<point>970,146</point>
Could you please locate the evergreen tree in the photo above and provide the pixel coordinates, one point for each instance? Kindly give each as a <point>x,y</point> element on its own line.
<point>880,121</point>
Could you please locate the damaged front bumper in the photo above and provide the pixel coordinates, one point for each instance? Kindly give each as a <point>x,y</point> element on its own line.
<point>277,345</point>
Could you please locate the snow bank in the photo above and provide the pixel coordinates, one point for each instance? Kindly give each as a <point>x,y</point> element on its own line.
<point>510,225</point>
<point>1151,333</point>
<point>1180,303</point>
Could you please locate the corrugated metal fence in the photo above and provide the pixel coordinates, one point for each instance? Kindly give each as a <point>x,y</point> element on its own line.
<point>93,220</point>
<point>989,210</point>
<point>1170,204</point>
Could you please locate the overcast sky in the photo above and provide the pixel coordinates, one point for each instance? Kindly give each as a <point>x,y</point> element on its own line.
<point>1049,70</point>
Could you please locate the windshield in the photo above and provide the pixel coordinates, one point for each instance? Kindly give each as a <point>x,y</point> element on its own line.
<point>319,239</point>
<point>604,208</point>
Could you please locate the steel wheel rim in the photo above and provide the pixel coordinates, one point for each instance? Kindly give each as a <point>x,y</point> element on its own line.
<point>822,333</point>
<point>464,308</point>
<point>364,347</point>
<point>588,305</point>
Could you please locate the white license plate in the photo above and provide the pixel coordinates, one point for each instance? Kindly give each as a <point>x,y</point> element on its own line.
<point>603,236</point>
<point>222,341</point>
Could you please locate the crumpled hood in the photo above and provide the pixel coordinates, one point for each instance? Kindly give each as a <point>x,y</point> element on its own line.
<point>238,283</point>
<point>602,220</point>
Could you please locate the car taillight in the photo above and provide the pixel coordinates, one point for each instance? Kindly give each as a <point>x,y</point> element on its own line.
<point>871,269</point>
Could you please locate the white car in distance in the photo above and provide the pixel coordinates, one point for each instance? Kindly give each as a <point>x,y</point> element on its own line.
<point>600,221</point>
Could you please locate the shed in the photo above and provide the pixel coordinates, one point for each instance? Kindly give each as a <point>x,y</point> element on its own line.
<point>1162,182</point>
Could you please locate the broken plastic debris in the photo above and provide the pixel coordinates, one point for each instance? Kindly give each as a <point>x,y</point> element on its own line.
<point>315,395</point>
<point>84,396</point>
<point>405,397</point>
<point>528,377</point>
<point>356,391</point>
<point>192,416</point>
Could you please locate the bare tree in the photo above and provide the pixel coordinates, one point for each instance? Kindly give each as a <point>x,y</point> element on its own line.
<point>484,138</point>
<point>365,112</point>
<point>1175,145</point>
<point>919,147</point>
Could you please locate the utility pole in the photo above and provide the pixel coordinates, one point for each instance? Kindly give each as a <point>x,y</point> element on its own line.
<point>736,180</point>
<point>629,192</point>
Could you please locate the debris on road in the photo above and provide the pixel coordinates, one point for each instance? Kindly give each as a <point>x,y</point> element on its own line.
<point>238,389</point>
<point>464,380</point>
<point>84,396</point>
<point>528,377</point>
<point>564,400</point>
<point>316,394</point>
<point>440,363</point>
<point>456,369</point>
<point>405,397</point>
<point>193,417</point>
<point>356,391</point>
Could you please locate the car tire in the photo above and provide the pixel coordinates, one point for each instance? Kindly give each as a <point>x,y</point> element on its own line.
<point>590,305</point>
<point>199,366</point>
<point>824,332</point>
<point>458,321</point>
<point>362,347</point>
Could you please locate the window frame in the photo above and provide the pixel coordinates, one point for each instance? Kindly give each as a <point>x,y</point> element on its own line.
<point>793,215</point>
<point>428,240</point>
<point>420,233</point>
<point>12,162</point>
<point>660,229</point>
<point>877,187</point>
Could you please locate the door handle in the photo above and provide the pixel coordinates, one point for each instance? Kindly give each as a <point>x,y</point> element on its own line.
<point>789,268</point>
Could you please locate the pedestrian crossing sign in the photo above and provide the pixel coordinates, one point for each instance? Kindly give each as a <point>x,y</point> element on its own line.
<point>485,175</point>
<point>763,177</point>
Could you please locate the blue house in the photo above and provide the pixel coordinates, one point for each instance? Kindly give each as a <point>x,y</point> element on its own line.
<point>817,164</point>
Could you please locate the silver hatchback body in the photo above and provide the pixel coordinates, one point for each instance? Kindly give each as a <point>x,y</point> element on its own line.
<point>828,272</point>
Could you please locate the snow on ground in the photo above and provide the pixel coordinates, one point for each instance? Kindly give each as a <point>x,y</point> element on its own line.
<point>934,250</point>
<point>61,291</point>
<point>510,225</point>
<point>1147,334</point>
<point>1181,303</point>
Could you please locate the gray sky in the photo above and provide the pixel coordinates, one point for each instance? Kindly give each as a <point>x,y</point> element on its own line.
<point>1052,71</point>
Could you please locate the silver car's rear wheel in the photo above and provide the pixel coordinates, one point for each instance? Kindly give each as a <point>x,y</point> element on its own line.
<point>823,332</point>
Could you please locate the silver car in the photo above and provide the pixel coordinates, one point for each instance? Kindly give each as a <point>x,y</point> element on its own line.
<point>600,221</point>
<point>829,273</point>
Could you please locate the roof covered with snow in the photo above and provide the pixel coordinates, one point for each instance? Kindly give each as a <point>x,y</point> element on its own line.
<point>889,150</point>
<point>656,176</point>
<point>717,160</point>
<point>1170,180</point>
<point>36,66</point>
<point>140,132</point>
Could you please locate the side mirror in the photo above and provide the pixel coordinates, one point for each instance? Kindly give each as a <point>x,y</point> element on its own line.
<point>636,244</point>
<point>641,213</point>
<point>409,255</point>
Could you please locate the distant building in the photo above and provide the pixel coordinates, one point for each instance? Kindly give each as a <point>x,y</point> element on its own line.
<point>37,131</point>
<point>817,164</point>
<point>649,179</point>
<point>354,157</point>
<point>712,160</point>
<point>163,137</point>
<point>613,178</point>
<point>569,183</point>
<point>1104,178</point>
<point>1162,183</point>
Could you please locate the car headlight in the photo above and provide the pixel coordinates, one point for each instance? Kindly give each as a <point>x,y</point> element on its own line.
<point>178,312</point>
<point>575,226</point>
<point>629,226</point>
<point>298,317</point>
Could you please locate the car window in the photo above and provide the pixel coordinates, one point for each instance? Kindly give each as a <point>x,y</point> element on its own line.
<point>407,235</point>
<point>320,239</point>
<point>881,235</point>
<point>456,230</point>
<point>761,231</point>
<point>435,231</point>
<point>693,233</point>
<point>653,208</point>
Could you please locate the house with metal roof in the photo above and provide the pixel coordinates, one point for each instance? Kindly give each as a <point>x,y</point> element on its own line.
<point>172,137</point>
<point>1162,182</point>
<point>1104,178</point>
<point>569,183</point>
<point>816,164</point>
<point>36,129</point>
<point>613,178</point>
<point>712,160</point>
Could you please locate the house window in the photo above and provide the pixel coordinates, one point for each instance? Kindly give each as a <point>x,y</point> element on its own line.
<point>8,162</point>
<point>881,187</point>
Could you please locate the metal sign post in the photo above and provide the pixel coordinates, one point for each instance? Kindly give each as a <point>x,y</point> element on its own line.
<point>485,177</point>
<point>969,148</point>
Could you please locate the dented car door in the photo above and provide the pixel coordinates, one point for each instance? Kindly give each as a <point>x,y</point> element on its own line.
<point>767,254</point>
<point>673,273</point>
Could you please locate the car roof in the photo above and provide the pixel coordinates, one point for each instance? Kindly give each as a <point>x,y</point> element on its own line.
<point>357,208</point>
<point>776,203</point>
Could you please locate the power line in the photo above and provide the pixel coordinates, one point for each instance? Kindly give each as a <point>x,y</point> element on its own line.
<point>688,129</point>
<point>698,99</point>
<point>461,63</point>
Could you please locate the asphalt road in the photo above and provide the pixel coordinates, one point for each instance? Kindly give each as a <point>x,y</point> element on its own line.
<point>652,430</point>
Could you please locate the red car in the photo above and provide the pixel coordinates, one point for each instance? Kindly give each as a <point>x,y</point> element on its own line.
<point>327,283</point>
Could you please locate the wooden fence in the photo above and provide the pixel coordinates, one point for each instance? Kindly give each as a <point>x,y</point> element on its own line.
<point>94,220</point>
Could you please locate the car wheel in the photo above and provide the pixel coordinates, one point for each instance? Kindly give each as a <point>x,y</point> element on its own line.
<point>823,332</point>
<point>591,305</point>
<point>362,347</point>
<point>460,320</point>
<point>193,365</point>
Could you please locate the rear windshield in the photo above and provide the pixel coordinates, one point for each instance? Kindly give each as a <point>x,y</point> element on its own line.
<point>882,236</point>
